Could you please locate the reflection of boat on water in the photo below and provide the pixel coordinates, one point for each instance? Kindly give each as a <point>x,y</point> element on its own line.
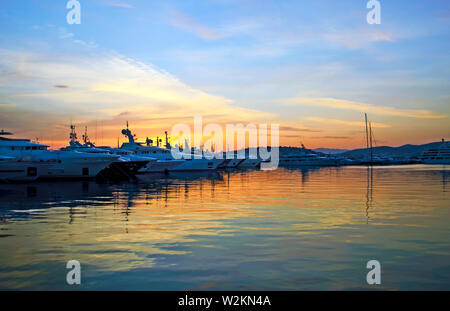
<point>46,194</point>
<point>369,192</point>
<point>181,175</point>
<point>306,171</point>
<point>439,155</point>
<point>21,199</point>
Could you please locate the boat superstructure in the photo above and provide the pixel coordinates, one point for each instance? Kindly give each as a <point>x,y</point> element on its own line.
<point>439,155</point>
<point>186,162</point>
<point>126,166</point>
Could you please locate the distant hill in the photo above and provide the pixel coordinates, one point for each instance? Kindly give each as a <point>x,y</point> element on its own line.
<point>405,151</point>
<point>330,151</point>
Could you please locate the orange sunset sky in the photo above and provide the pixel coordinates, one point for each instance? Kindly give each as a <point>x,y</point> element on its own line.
<point>312,67</point>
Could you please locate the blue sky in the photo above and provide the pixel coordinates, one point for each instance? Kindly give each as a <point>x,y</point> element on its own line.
<point>312,66</point>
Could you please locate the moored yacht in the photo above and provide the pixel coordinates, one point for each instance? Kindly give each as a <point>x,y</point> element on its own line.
<point>306,157</point>
<point>15,169</point>
<point>65,164</point>
<point>126,166</point>
<point>249,163</point>
<point>187,162</point>
<point>439,155</point>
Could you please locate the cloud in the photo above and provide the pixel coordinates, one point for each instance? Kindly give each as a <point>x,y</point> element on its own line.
<point>357,38</point>
<point>188,24</point>
<point>64,34</point>
<point>362,107</point>
<point>349,123</point>
<point>105,85</point>
<point>294,129</point>
<point>334,137</point>
<point>122,5</point>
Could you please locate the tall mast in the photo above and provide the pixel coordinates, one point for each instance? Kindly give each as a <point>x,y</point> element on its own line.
<point>367,133</point>
<point>371,147</point>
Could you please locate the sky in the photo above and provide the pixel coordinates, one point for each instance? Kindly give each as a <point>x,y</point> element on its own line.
<point>313,67</point>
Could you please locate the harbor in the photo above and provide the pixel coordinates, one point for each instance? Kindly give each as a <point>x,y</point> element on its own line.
<point>24,160</point>
<point>217,155</point>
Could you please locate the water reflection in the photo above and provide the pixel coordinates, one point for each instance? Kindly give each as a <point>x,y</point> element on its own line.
<point>369,194</point>
<point>306,228</point>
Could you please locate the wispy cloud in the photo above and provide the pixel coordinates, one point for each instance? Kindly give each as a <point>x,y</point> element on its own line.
<point>295,129</point>
<point>348,123</point>
<point>334,137</point>
<point>189,24</point>
<point>357,38</point>
<point>122,5</point>
<point>362,107</point>
<point>103,86</point>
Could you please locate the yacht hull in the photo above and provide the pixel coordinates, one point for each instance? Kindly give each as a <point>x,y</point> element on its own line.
<point>161,166</point>
<point>249,163</point>
<point>22,171</point>
<point>198,165</point>
<point>77,168</point>
<point>234,163</point>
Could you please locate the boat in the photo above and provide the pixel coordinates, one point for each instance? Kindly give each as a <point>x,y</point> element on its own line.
<point>230,162</point>
<point>64,164</point>
<point>306,157</point>
<point>249,163</point>
<point>182,161</point>
<point>21,169</point>
<point>127,165</point>
<point>439,155</point>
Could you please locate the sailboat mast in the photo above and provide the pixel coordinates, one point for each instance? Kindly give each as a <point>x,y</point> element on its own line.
<point>371,146</point>
<point>367,133</point>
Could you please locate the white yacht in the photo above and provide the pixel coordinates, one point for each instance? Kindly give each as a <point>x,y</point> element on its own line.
<point>15,169</point>
<point>64,163</point>
<point>306,157</point>
<point>127,165</point>
<point>231,162</point>
<point>165,155</point>
<point>439,155</point>
<point>249,163</point>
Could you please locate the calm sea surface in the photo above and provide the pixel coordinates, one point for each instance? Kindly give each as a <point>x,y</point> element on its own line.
<point>289,229</point>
